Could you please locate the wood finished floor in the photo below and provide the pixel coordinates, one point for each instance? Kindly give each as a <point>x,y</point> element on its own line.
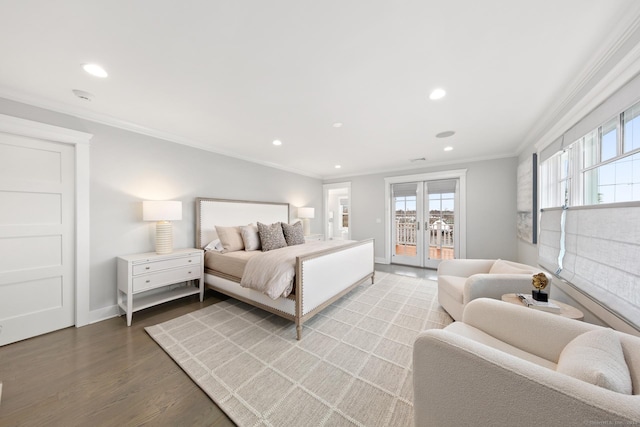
<point>105,374</point>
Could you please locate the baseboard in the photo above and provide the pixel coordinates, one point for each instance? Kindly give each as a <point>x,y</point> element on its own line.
<point>103,314</point>
<point>379,260</point>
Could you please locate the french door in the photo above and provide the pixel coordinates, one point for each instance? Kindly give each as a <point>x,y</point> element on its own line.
<point>424,222</point>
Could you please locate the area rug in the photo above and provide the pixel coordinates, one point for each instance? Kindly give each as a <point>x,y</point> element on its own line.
<point>352,366</point>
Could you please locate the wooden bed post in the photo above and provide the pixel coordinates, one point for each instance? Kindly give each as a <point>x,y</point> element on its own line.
<point>298,298</point>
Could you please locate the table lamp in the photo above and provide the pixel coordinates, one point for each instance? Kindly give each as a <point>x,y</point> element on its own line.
<point>305,214</point>
<point>163,212</point>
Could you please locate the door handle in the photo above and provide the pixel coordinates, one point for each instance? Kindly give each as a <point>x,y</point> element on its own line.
<point>417,226</point>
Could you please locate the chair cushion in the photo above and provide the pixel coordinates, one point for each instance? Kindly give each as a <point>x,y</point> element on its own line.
<point>596,357</point>
<point>453,286</point>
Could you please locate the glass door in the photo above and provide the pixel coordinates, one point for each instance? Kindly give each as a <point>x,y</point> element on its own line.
<point>406,218</point>
<point>441,225</point>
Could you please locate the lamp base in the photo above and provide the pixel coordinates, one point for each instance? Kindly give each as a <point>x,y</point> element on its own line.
<point>164,237</point>
<point>306,227</point>
<point>540,296</point>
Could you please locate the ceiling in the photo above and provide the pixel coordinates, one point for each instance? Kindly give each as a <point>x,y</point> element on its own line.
<point>232,76</point>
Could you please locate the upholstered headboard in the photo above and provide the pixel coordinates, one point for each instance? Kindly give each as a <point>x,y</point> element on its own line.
<point>228,213</point>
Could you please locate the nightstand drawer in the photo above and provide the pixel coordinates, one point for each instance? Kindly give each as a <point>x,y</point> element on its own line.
<point>150,267</point>
<point>154,280</point>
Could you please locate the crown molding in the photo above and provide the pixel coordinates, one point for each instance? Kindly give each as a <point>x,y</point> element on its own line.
<point>583,95</point>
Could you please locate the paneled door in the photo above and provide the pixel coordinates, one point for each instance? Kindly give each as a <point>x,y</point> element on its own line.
<point>37,256</point>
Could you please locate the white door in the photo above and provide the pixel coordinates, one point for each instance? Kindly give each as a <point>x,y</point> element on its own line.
<point>441,221</point>
<point>406,219</point>
<point>37,259</point>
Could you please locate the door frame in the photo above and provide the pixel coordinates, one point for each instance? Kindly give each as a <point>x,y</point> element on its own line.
<point>80,142</point>
<point>325,210</point>
<point>461,228</point>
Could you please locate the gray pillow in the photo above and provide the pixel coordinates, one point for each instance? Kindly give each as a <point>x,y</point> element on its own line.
<point>293,234</point>
<point>271,236</point>
<point>250,237</point>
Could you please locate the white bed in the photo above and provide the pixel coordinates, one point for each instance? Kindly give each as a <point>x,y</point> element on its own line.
<point>320,278</point>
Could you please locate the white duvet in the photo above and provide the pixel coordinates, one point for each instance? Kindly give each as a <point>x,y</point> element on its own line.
<point>272,272</point>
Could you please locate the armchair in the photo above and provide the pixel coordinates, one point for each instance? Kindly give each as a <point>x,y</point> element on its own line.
<point>501,366</point>
<point>463,280</point>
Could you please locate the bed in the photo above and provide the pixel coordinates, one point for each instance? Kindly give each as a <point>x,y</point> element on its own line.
<point>321,277</point>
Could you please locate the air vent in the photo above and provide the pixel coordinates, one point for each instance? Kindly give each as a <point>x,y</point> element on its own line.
<point>86,96</point>
<point>419,159</point>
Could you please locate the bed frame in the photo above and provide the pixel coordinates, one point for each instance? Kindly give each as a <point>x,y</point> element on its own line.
<point>321,277</point>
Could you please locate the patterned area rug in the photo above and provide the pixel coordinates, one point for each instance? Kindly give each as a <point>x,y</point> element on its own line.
<point>352,366</point>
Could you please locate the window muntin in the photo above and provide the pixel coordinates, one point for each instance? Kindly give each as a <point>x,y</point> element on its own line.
<point>631,126</point>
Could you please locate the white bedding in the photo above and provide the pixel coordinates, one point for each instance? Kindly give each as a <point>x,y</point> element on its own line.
<point>272,272</point>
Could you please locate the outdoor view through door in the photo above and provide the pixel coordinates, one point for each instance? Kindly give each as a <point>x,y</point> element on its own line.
<point>424,222</point>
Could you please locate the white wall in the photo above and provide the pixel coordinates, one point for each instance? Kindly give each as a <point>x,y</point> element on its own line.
<point>127,168</point>
<point>491,207</point>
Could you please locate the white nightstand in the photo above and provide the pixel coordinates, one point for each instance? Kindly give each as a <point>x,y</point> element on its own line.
<point>142,277</point>
<point>311,237</point>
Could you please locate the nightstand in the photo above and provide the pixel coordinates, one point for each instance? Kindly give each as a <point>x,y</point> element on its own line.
<point>149,279</point>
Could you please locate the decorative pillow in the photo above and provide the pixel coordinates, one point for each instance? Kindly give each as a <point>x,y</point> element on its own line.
<point>271,236</point>
<point>214,245</point>
<point>230,238</point>
<point>293,234</point>
<point>250,237</point>
<point>596,357</point>
<point>503,267</point>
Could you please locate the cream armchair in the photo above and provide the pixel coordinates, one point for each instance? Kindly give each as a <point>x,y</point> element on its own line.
<point>502,366</point>
<point>463,280</point>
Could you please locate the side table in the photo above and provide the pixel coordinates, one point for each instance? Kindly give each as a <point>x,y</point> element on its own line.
<point>566,310</point>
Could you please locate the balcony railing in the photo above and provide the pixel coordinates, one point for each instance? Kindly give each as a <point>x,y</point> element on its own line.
<point>406,235</point>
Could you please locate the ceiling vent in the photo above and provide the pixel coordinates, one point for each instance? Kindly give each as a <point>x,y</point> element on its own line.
<point>419,159</point>
<point>86,96</point>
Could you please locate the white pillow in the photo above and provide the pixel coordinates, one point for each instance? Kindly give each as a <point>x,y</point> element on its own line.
<point>503,267</point>
<point>250,237</point>
<point>596,357</point>
<point>214,245</point>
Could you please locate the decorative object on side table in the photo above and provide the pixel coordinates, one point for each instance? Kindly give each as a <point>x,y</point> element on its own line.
<point>540,282</point>
<point>163,212</point>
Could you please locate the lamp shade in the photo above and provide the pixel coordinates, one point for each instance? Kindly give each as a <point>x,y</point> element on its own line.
<point>161,211</point>
<point>306,212</point>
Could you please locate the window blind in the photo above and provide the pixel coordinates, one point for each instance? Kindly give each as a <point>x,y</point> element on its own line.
<point>601,253</point>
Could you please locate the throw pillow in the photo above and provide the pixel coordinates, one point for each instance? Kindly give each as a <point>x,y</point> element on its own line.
<point>230,238</point>
<point>293,234</point>
<point>214,245</point>
<point>596,357</point>
<point>271,236</point>
<point>503,267</point>
<point>250,237</point>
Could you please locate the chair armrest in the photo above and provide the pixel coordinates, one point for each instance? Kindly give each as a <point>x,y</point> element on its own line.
<point>495,285</point>
<point>460,382</point>
<point>464,267</point>
<point>536,332</point>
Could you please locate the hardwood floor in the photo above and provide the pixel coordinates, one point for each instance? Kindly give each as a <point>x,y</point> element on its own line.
<point>105,374</point>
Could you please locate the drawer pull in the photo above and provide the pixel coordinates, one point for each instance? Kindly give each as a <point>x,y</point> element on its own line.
<point>147,268</point>
<point>189,273</point>
<point>148,281</point>
<point>190,260</point>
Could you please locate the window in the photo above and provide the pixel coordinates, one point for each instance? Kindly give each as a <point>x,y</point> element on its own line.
<point>601,167</point>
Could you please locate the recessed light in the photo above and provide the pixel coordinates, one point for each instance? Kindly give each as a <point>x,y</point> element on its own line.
<point>337,166</point>
<point>437,94</point>
<point>448,148</point>
<point>445,134</point>
<point>337,125</point>
<point>277,142</point>
<point>95,70</point>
